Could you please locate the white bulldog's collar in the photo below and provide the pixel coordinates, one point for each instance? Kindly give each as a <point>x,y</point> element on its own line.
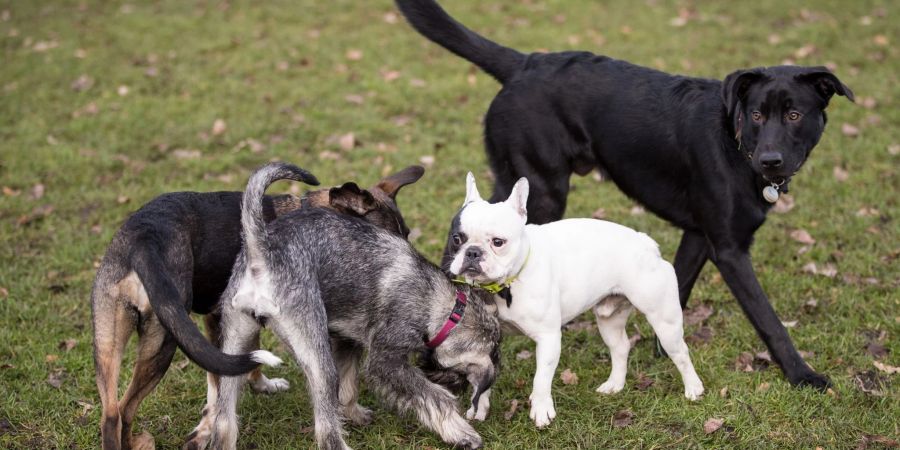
<point>500,288</point>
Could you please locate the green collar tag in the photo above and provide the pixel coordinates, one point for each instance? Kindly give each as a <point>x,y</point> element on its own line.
<point>495,287</point>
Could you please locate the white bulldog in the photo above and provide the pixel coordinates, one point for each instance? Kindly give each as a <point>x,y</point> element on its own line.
<point>549,274</point>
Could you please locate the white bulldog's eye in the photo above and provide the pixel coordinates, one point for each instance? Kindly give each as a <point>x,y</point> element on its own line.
<point>457,239</point>
<point>497,242</point>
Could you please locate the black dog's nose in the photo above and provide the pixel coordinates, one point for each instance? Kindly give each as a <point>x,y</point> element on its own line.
<point>473,253</point>
<point>771,160</point>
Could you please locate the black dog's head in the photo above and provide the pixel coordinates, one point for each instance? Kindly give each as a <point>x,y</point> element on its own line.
<point>778,114</point>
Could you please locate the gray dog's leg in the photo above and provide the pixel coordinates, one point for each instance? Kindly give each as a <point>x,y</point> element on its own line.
<point>407,389</point>
<point>305,331</point>
<point>239,330</point>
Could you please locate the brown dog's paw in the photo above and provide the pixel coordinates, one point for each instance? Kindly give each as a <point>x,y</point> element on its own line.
<point>143,441</point>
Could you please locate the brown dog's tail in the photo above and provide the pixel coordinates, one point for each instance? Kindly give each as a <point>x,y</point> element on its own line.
<point>429,19</point>
<point>169,307</point>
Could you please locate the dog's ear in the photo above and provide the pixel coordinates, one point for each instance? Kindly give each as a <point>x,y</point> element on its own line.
<point>734,88</point>
<point>350,199</point>
<point>825,83</point>
<point>472,194</point>
<point>393,183</point>
<point>518,198</point>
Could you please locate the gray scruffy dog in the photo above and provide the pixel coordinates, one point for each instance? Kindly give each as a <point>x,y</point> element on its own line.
<point>311,272</point>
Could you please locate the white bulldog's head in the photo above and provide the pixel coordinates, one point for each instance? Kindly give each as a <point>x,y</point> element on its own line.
<point>485,239</point>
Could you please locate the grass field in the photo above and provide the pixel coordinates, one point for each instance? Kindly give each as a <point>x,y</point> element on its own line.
<point>105,105</point>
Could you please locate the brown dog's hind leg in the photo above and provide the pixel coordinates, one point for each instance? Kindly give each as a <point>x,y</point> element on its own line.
<point>155,350</point>
<point>113,325</point>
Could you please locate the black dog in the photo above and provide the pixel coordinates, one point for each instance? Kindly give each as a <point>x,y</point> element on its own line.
<point>697,152</point>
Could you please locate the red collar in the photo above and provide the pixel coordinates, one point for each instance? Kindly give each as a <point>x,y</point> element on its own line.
<point>455,316</point>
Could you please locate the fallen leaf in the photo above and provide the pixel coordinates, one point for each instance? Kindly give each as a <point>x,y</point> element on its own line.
<point>703,335</point>
<point>804,51</point>
<point>867,439</point>
<point>347,141</point>
<point>67,344</point>
<point>51,357</point>
<point>723,392</point>
<point>870,382</point>
<point>82,83</point>
<point>802,236</point>
<point>600,213</point>
<point>427,161</point>
<point>744,362</point>
<point>55,378</point>
<point>10,192</point>
<point>890,370</point>
<point>37,191</point>
<point>414,234</point>
<point>623,418</point>
<point>4,292</point>
<point>637,210</point>
<point>37,213</point>
<point>43,46</point>
<point>697,314</point>
<point>356,99</point>
<point>568,377</point>
<point>866,211</point>
<point>811,305</point>
<point>122,90</point>
<point>91,109</point>
<point>876,350</point>
<point>219,127</point>
<point>122,199</point>
<point>784,203</point>
<point>840,173</point>
<point>849,130</point>
<point>180,365</point>
<point>894,149</point>
<point>416,82</point>
<point>712,425</point>
<point>327,154</point>
<point>513,407</point>
<point>390,17</point>
<point>524,354</point>
<point>643,382</point>
<point>354,54</point>
<point>829,270</point>
<point>763,387</point>
<point>880,40</point>
<point>182,153</point>
<point>774,39</point>
<point>308,429</point>
<point>764,356</point>
<point>390,75</point>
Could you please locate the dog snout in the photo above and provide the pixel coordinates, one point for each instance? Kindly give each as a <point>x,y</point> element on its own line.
<point>474,253</point>
<point>771,160</point>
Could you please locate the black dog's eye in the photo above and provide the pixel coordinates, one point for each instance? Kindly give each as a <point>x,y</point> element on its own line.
<point>457,239</point>
<point>756,115</point>
<point>794,116</point>
<point>498,242</point>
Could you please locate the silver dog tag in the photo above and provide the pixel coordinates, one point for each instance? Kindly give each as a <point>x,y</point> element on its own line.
<point>770,193</point>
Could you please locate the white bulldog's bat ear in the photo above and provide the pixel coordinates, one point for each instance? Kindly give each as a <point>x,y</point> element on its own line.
<point>471,190</point>
<point>518,198</point>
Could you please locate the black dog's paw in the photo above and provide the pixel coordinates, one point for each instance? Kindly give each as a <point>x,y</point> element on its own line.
<point>811,379</point>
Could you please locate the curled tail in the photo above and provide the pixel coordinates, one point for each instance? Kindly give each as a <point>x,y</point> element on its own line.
<point>169,307</point>
<point>252,204</point>
<point>429,19</point>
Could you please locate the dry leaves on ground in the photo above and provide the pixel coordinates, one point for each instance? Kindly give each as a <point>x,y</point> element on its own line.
<point>697,314</point>
<point>643,382</point>
<point>712,425</point>
<point>67,344</point>
<point>623,418</point>
<point>513,408</point>
<point>524,354</point>
<point>568,377</point>
<point>802,236</point>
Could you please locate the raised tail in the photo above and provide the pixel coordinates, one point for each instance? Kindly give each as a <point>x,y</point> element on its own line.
<point>429,19</point>
<point>252,204</point>
<point>169,307</point>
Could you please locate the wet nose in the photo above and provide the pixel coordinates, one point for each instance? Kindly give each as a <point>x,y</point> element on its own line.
<point>473,253</point>
<point>771,160</point>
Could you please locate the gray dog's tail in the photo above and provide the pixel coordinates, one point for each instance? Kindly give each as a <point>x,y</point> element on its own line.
<point>429,19</point>
<point>252,205</point>
<point>169,307</point>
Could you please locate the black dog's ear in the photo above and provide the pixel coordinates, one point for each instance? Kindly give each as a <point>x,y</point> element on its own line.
<point>392,184</point>
<point>350,199</point>
<point>735,86</point>
<point>826,83</point>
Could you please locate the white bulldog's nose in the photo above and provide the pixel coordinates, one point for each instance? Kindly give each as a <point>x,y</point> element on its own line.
<point>474,253</point>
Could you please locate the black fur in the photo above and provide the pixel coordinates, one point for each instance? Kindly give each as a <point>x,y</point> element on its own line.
<point>689,149</point>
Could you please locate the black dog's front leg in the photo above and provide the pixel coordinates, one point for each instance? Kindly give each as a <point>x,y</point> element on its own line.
<point>689,260</point>
<point>407,389</point>
<point>737,271</point>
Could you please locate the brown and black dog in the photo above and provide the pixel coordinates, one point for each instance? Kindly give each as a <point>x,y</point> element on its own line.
<point>174,256</point>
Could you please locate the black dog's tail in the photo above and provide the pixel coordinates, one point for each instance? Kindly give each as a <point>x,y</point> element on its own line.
<point>429,19</point>
<point>252,205</point>
<point>169,307</point>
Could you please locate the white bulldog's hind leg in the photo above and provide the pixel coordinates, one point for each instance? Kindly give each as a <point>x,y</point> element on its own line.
<point>612,316</point>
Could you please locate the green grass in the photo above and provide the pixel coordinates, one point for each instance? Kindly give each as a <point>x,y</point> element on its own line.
<point>278,72</point>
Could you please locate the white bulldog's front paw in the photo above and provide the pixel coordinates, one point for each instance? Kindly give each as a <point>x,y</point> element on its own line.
<point>542,411</point>
<point>269,385</point>
<point>611,387</point>
<point>693,392</point>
